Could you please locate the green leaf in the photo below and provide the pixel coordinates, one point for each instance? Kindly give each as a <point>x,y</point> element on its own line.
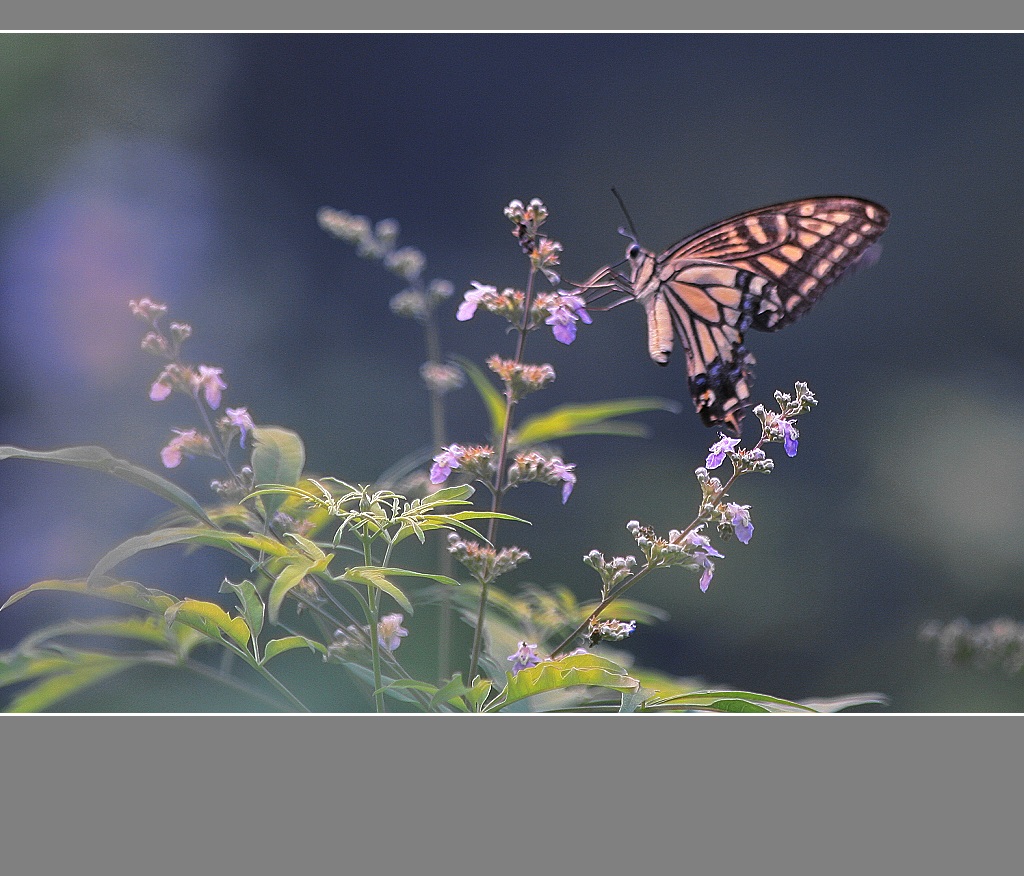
<point>310,548</point>
<point>233,542</point>
<point>390,686</point>
<point>589,419</point>
<point>250,602</point>
<point>633,700</point>
<point>90,669</point>
<point>278,457</point>
<point>287,643</point>
<point>411,684</point>
<point>737,706</point>
<point>478,693</point>
<point>837,704</point>
<point>124,592</point>
<point>372,576</point>
<point>494,401</point>
<point>18,666</point>
<point>409,573</point>
<point>457,495</point>
<point>209,619</point>
<point>100,459</point>
<point>452,692</point>
<point>582,669</point>
<point>724,701</point>
<point>298,568</point>
<point>150,630</point>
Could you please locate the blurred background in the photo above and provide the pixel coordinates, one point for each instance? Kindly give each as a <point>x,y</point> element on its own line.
<point>190,168</point>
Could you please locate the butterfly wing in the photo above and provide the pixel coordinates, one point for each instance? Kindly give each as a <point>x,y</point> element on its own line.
<point>763,269</point>
<point>800,247</point>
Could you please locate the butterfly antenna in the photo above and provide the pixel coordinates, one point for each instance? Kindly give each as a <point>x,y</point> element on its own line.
<point>629,218</point>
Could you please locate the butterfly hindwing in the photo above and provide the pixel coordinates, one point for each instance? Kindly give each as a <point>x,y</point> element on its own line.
<point>710,305</point>
<point>763,269</point>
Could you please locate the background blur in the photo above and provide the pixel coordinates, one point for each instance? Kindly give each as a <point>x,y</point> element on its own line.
<point>190,168</point>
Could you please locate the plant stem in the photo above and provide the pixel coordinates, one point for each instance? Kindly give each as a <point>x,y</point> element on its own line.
<point>235,684</point>
<point>623,586</point>
<point>372,605</point>
<point>498,490</point>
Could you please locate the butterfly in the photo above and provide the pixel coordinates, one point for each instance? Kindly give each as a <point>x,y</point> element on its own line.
<point>762,269</point>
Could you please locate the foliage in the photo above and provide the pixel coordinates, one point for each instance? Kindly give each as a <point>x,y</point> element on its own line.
<point>324,565</point>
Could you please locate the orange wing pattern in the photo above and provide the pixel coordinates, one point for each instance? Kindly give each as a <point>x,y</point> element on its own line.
<point>763,269</point>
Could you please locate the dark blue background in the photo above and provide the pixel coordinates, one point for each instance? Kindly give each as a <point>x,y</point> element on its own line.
<point>190,168</point>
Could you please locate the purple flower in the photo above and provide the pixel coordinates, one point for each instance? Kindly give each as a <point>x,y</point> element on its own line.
<point>473,299</point>
<point>564,314</point>
<point>161,388</point>
<point>739,519</point>
<point>239,417</point>
<point>563,470</point>
<point>444,462</point>
<point>524,658</point>
<point>702,554</point>
<point>208,381</point>
<point>390,631</point>
<point>789,436</point>
<point>719,449</point>
<point>188,443</point>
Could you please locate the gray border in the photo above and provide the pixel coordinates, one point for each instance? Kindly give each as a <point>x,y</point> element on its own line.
<point>603,794</point>
<point>461,15</point>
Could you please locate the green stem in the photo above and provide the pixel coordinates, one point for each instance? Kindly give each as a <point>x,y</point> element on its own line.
<point>372,605</point>
<point>498,490</point>
<point>623,586</point>
<point>613,594</point>
<point>287,694</point>
<point>267,675</point>
<point>232,682</point>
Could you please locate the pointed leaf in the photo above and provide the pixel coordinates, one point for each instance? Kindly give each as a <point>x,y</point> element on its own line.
<point>452,692</point>
<point>478,693</point>
<point>633,700</point>
<point>287,643</point>
<point>371,576</point>
<point>125,592</point>
<point>148,629</point>
<point>234,542</point>
<point>725,701</point>
<point>16,666</point>
<point>837,704</point>
<point>589,419</point>
<point>250,602</point>
<point>409,573</point>
<point>457,495</point>
<point>288,578</point>
<point>61,685</point>
<point>582,669</point>
<point>389,686</point>
<point>494,401</point>
<point>210,619</point>
<point>310,548</point>
<point>278,457</point>
<point>100,459</point>
<point>411,684</point>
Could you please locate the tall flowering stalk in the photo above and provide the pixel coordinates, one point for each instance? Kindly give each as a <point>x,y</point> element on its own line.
<point>419,301</point>
<point>527,311</point>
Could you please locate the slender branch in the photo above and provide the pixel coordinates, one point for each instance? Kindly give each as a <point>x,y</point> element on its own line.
<point>623,586</point>
<point>498,490</point>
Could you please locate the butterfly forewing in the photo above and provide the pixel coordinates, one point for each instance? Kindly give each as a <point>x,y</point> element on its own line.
<point>762,269</point>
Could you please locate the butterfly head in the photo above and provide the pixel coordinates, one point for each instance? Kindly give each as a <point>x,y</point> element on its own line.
<point>634,250</point>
